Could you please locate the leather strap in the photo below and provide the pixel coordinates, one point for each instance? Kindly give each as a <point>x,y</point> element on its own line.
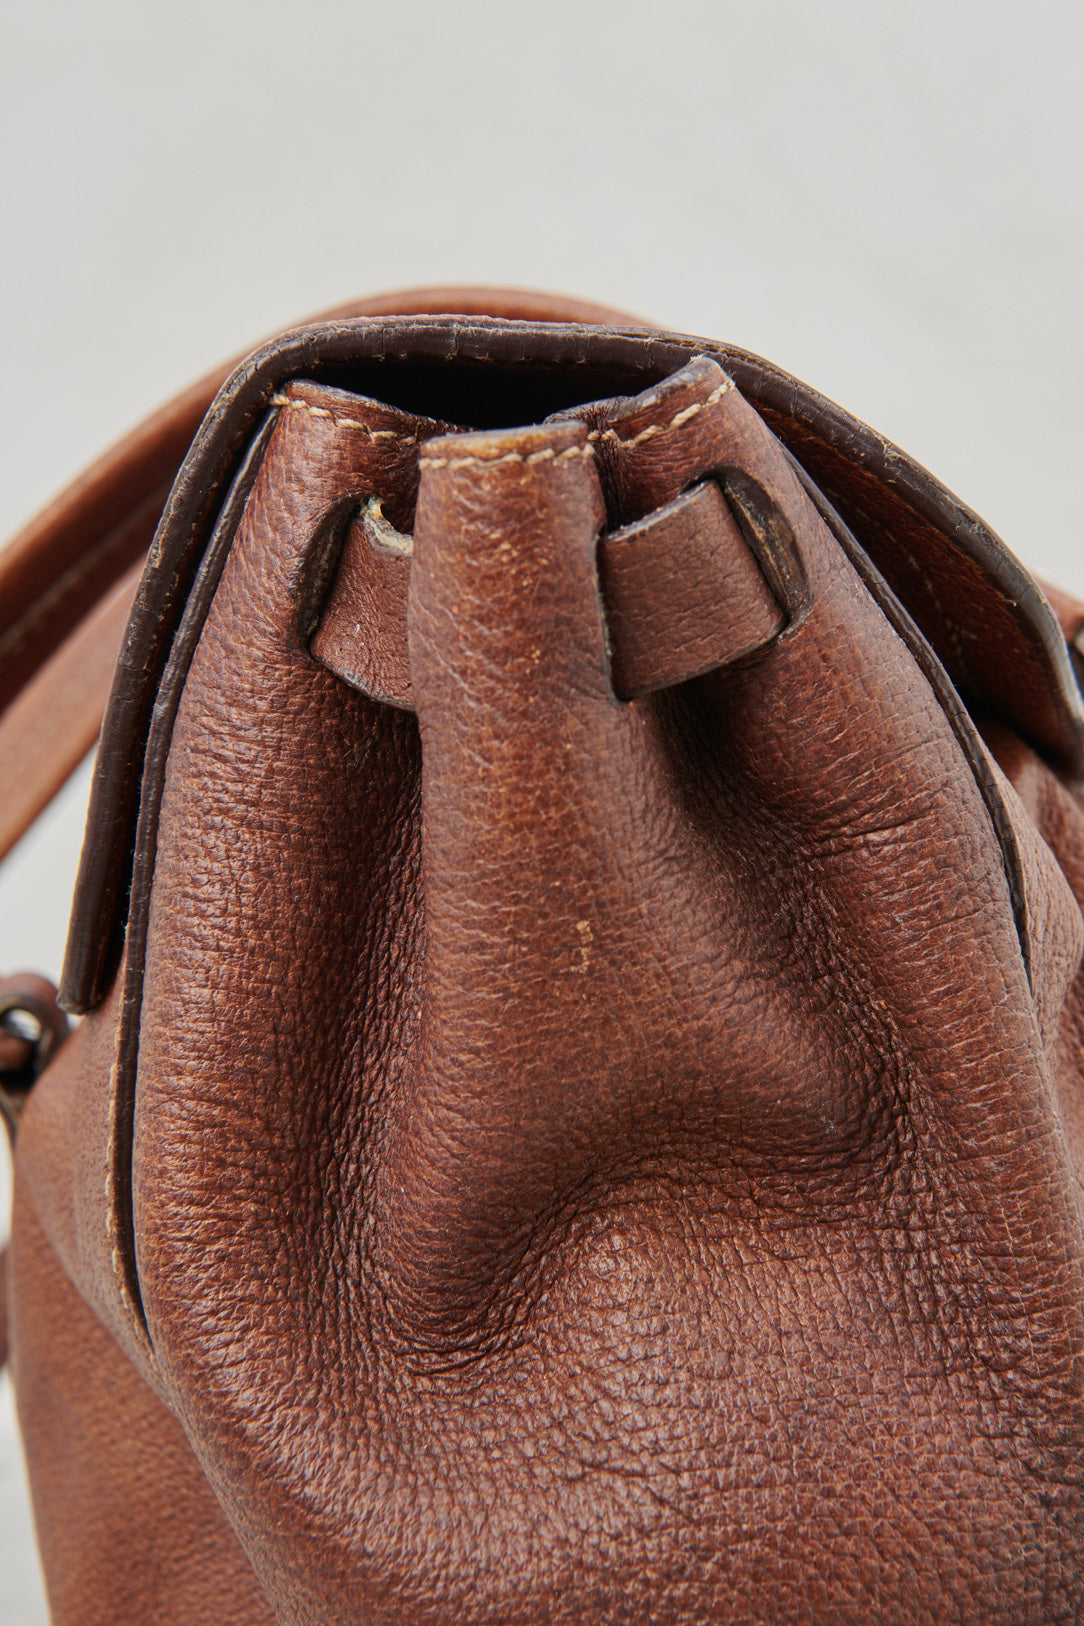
<point>50,726</point>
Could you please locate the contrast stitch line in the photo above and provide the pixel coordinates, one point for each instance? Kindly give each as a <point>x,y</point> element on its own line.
<point>340,422</point>
<point>546,456</point>
<point>675,422</point>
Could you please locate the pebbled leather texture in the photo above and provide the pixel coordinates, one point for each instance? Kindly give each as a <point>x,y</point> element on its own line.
<point>583,1148</point>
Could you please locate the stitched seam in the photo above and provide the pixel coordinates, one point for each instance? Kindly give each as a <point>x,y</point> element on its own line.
<point>675,422</point>
<point>546,456</point>
<point>341,422</point>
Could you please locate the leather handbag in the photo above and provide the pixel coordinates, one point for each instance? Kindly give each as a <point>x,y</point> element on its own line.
<point>576,1113</point>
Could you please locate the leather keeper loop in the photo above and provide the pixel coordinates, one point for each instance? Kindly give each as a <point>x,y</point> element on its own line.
<point>689,588</point>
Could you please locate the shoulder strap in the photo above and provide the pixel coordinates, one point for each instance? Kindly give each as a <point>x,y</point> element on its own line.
<point>51,724</point>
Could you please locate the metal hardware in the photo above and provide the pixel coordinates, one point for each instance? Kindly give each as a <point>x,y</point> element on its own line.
<point>32,1029</point>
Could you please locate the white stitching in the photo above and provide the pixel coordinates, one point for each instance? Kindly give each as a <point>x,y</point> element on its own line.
<point>546,456</point>
<point>293,405</point>
<point>505,457</point>
<point>675,422</point>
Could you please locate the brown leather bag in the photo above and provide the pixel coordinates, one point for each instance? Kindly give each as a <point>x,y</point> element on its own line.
<point>579,1107</point>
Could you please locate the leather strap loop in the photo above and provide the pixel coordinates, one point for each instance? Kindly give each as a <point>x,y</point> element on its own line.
<point>683,594</point>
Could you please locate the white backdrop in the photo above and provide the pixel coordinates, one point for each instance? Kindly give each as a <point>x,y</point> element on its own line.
<point>884,199</point>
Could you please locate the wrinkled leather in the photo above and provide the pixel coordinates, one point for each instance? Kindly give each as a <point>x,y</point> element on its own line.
<point>578,1160</point>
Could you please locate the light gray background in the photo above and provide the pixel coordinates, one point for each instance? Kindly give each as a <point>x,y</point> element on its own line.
<point>884,199</point>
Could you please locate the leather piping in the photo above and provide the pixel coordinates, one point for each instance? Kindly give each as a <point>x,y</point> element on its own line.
<point>825,439</point>
<point>956,713</point>
<point>629,357</point>
<point>168,698</point>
